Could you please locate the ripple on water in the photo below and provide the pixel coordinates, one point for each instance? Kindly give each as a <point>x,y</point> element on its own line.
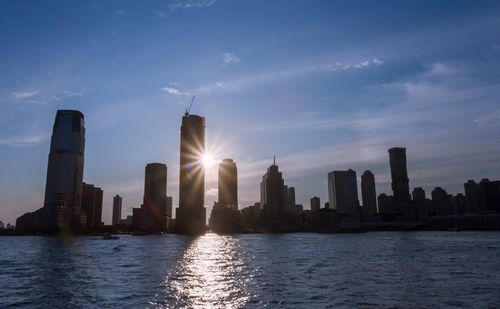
<point>423,269</point>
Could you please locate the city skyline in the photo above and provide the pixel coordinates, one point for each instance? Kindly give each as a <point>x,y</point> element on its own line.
<point>440,105</point>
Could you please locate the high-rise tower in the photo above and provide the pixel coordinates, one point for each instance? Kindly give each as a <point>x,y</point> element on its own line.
<point>228,184</point>
<point>368,192</point>
<point>117,209</point>
<point>191,214</point>
<point>63,190</point>
<point>152,214</point>
<point>272,198</point>
<point>399,176</point>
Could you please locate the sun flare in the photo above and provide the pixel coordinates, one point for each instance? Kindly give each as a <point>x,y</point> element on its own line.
<point>208,160</point>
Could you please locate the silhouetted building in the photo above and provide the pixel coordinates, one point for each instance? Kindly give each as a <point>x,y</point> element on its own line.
<point>368,192</point>
<point>91,214</point>
<point>152,214</point>
<point>441,202</point>
<point>228,184</point>
<point>343,194</point>
<point>289,196</point>
<point>422,205</point>
<point>399,176</point>
<point>117,209</point>
<point>224,219</point>
<point>385,203</point>
<point>315,203</point>
<point>327,205</point>
<point>458,204</point>
<point>191,214</point>
<point>63,190</point>
<point>251,218</point>
<point>472,196</point>
<point>272,199</point>
<point>489,195</point>
<point>169,207</point>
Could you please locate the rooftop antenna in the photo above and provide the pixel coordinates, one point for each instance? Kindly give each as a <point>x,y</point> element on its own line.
<point>274,160</point>
<point>189,109</point>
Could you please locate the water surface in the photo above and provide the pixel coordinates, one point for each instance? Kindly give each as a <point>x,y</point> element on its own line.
<point>383,269</point>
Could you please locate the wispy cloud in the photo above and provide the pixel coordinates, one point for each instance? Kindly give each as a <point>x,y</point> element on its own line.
<point>24,94</point>
<point>174,91</point>
<point>188,4</point>
<point>278,75</point>
<point>120,12</point>
<point>67,94</point>
<point>25,141</point>
<point>229,58</point>
<point>160,14</point>
<point>211,192</point>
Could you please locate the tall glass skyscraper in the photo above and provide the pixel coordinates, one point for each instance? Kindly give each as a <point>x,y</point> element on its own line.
<point>63,190</point>
<point>191,214</point>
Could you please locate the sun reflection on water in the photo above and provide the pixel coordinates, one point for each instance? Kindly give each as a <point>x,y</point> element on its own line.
<point>210,275</point>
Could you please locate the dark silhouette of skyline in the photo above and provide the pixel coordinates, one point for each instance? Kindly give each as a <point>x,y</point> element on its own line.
<point>79,208</point>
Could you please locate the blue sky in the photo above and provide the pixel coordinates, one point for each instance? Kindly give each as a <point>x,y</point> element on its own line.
<point>323,85</point>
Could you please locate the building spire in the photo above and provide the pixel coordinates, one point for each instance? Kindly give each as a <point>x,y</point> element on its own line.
<point>274,160</point>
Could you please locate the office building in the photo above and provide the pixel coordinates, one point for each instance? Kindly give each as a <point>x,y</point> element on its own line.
<point>399,176</point>
<point>91,214</point>
<point>315,203</point>
<point>343,194</point>
<point>191,213</point>
<point>272,198</point>
<point>151,216</point>
<point>63,190</point>
<point>117,209</point>
<point>228,184</point>
<point>368,192</point>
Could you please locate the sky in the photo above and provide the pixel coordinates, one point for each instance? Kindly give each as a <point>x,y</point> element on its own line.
<point>321,85</point>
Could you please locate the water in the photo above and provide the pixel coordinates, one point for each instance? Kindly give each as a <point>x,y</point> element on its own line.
<point>404,270</point>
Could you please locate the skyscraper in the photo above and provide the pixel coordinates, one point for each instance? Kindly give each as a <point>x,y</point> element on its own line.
<point>228,184</point>
<point>315,203</point>
<point>169,207</point>
<point>272,198</point>
<point>399,176</point>
<point>63,189</point>
<point>343,193</point>
<point>117,209</point>
<point>91,206</point>
<point>368,192</point>
<point>152,214</point>
<point>191,214</point>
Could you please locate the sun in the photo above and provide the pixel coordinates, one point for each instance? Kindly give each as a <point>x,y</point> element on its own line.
<point>208,160</point>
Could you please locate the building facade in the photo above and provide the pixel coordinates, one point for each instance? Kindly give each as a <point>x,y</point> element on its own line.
<point>117,209</point>
<point>228,184</point>
<point>191,213</point>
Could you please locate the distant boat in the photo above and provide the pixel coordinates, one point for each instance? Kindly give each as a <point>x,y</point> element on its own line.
<point>109,236</point>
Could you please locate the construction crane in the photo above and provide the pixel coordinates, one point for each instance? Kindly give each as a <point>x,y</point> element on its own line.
<point>191,104</point>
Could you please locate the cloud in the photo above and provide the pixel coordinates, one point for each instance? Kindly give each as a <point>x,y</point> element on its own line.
<point>212,192</point>
<point>120,12</point>
<point>189,4</point>
<point>160,14</point>
<point>277,75</point>
<point>24,94</point>
<point>67,94</point>
<point>174,91</point>
<point>25,141</point>
<point>229,58</point>
<point>489,120</point>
